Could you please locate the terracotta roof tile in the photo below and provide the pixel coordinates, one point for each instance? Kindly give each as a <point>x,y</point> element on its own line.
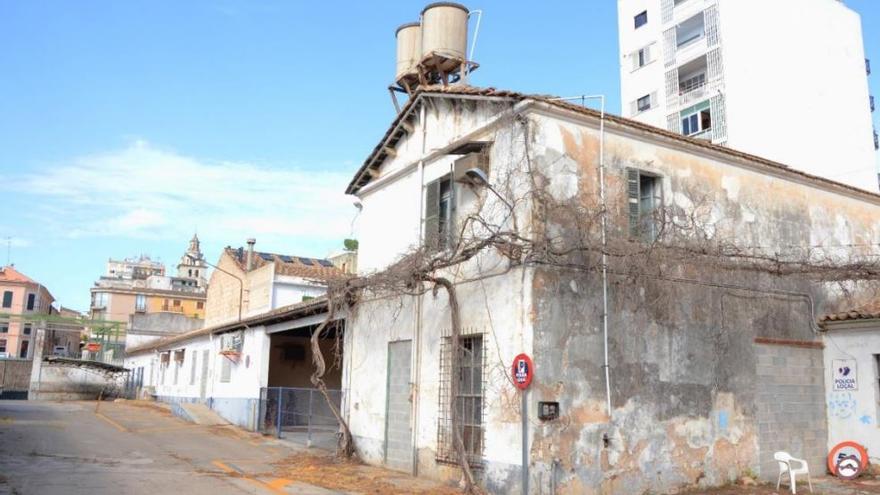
<point>867,312</point>
<point>297,266</point>
<point>10,274</point>
<point>392,135</point>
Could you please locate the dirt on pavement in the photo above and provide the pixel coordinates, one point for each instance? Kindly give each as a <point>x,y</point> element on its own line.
<point>336,474</point>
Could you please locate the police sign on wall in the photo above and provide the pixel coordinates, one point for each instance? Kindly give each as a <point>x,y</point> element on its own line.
<point>843,375</point>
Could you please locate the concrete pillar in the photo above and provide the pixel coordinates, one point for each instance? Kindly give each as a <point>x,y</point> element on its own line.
<point>37,363</point>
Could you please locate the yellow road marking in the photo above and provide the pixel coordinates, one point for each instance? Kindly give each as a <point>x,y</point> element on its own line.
<point>279,483</point>
<point>114,423</point>
<point>272,486</point>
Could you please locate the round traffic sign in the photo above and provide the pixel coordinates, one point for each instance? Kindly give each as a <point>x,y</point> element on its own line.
<point>522,371</point>
<point>847,449</point>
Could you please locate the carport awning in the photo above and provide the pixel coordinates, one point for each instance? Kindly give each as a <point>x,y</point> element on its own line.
<point>306,321</point>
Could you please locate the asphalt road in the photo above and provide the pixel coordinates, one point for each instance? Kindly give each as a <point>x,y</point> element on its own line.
<point>73,448</point>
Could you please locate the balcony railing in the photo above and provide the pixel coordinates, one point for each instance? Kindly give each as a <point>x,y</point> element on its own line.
<point>172,309</point>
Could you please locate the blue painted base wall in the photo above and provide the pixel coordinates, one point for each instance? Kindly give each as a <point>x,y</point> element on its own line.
<point>238,411</point>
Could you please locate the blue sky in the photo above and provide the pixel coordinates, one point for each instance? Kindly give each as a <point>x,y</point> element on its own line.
<point>125,126</point>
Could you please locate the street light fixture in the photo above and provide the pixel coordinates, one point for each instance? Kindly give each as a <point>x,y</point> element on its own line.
<point>478,178</point>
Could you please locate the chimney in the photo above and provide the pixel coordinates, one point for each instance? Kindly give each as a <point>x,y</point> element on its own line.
<point>250,253</point>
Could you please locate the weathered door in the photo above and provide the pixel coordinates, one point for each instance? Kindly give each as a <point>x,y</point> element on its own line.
<point>398,414</point>
<point>204,383</point>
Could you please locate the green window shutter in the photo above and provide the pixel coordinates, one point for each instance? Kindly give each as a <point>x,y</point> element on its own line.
<point>432,215</point>
<point>451,228</point>
<point>633,196</point>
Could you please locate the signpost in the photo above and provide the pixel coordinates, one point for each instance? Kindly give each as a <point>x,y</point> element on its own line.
<point>522,373</point>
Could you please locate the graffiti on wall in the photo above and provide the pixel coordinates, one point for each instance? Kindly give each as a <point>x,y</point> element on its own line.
<point>842,405</point>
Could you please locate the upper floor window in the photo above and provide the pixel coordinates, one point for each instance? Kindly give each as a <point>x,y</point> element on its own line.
<point>643,198</point>
<point>31,299</point>
<point>439,213</point>
<point>696,122</point>
<point>7,299</point>
<point>26,330</point>
<point>641,19</point>
<point>641,57</point>
<point>140,302</point>
<point>644,103</point>
<point>100,299</point>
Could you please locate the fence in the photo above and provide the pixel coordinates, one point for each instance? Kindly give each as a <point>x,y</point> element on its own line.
<point>300,414</point>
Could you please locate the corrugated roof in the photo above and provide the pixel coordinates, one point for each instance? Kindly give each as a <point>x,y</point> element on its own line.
<point>284,313</point>
<point>395,133</point>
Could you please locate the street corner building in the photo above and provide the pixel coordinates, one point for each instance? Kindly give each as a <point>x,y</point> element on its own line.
<point>657,282</point>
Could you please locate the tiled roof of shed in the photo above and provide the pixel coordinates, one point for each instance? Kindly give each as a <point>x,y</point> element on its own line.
<point>867,312</point>
<point>296,266</point>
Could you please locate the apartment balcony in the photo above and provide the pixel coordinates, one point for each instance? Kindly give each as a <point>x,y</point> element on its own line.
<point>685,9</point>
<point>172,309</point>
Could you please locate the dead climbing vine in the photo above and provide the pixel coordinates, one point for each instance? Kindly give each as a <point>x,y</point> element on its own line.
<point>541,225</point>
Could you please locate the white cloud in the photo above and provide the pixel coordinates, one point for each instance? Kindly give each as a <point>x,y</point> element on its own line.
<point>145,192</point>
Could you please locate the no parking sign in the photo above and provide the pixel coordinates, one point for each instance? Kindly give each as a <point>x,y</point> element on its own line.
<point>522,371</point>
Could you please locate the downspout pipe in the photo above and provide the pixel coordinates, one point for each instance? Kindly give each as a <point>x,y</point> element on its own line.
<point>417,337</point>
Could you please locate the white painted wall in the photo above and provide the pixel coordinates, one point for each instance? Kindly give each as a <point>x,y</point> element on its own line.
<point>288,290</point>
<point>797,91</point>
<point>794,81</point>
<point>635,83</point>
<point>854,415</point>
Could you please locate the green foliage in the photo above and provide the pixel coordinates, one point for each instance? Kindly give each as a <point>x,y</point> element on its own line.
<point>350,244</point>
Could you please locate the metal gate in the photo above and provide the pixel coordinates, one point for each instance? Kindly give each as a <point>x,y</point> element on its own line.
<point>398,414</point>
<point>300,414</point>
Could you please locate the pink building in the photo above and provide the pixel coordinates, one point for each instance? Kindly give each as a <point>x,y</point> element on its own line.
<point>20,296</point>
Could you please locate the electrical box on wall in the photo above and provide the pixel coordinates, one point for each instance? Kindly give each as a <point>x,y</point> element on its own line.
<point>548,411</point>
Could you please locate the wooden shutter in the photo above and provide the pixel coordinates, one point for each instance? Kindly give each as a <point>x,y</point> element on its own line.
<point>432,215</point>
<point>632,194</point>
<point>451,230</point>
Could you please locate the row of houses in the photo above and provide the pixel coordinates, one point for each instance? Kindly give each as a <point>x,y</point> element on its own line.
<point>652,369</point>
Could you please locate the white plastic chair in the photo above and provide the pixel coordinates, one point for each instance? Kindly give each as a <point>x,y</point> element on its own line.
<point>785,461</point>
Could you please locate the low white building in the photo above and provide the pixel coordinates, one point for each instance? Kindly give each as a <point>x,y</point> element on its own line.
<point>228,366</point>
<point>852,380</point>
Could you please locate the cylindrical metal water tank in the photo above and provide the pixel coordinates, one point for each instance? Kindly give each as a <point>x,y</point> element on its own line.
<point>444,30</point>
<point>409,49</point>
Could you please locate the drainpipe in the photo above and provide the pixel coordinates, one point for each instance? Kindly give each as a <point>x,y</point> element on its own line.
<point>250,253</point>
<point>417,337</point>
<point>602,198</point>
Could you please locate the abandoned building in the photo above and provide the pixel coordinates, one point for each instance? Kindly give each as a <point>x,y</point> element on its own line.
<point>679,382</point>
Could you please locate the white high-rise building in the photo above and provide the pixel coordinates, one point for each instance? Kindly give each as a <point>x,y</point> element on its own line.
<point>782,79</point>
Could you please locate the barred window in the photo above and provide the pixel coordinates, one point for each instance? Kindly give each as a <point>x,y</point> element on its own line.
<point>468,412</point>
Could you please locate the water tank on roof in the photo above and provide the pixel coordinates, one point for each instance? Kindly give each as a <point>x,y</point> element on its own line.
<point>409,50</point>
<point>444,31</point>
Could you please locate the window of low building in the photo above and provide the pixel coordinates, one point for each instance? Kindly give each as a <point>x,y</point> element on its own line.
<point>31,300</point>
<point>225,370</point>
<point>3,346</point>
<point>7,299</point>
<point>140,302</point>
<point>200,305</point>
<point>439,213</point>
<point>644,197</point>
<point>4,328</point>
<point>468,413</point>
<point>192,368</point>
<point>23,352</point>
<point>26,330</point>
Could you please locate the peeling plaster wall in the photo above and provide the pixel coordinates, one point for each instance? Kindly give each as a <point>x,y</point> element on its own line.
<point>683,357</point>
<point>689,397</point>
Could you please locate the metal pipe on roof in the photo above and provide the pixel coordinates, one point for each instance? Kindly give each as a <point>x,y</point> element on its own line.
<point>250,253</point>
